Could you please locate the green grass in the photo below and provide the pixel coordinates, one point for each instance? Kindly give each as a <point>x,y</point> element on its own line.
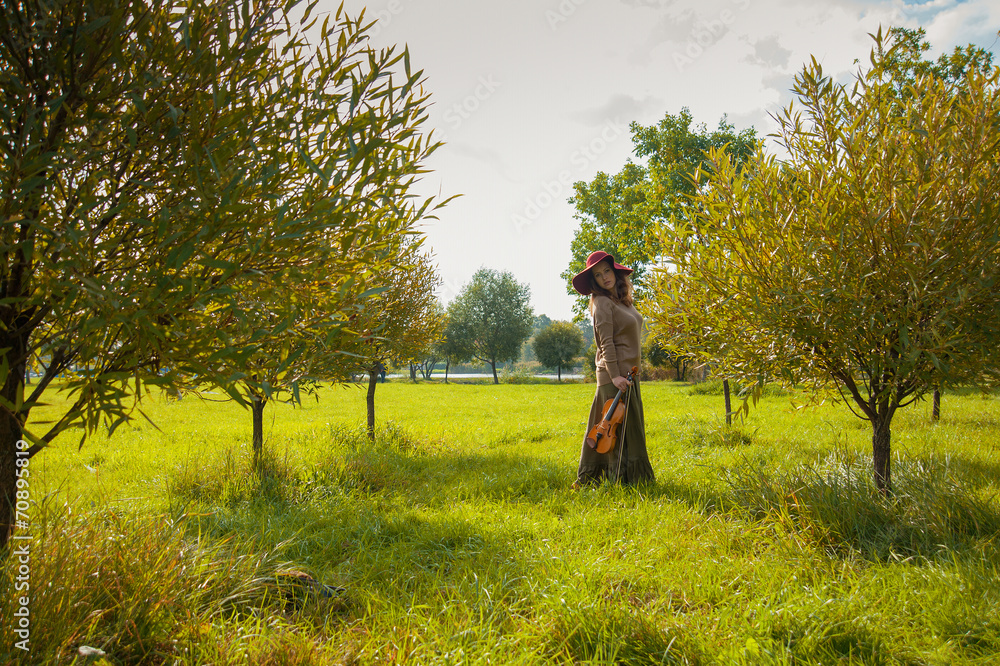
<point>457,539</point>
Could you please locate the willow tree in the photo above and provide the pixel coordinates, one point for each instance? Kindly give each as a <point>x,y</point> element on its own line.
<point>158,155</point>
<point>283,339</point>
<point>399,323</point>
<point>867,261</point>
<point>288,337</point>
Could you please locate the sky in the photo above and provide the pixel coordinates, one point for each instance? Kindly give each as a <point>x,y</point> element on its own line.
<point>531,96</point>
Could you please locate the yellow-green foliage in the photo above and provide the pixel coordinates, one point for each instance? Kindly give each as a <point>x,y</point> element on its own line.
<point>456,538</point>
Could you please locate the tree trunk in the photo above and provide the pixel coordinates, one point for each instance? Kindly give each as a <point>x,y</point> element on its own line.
<point>729,403</point>
<point>493,364</point>
<point>370,399</point>
<point>559,372</point>
<point>447,365</point>
<point>10,433</point>
<point>257,408</point>
<point>881,435</point>
<point>936,405</point>
<point>413,373</point>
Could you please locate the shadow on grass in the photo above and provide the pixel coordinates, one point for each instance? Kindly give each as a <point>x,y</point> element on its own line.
<point>939,505</point>
<point>975,473</point>
<point>404,527</point>
<point>975,422</point>
<point>371,497</point>
<point>826,637</point>
<point>813,641</point>
<point>613,636</point>
<point>835,503</point>
<point>407,524</point>
<point>446,477</point>
<point>934,508</point>
<point>138,587</point>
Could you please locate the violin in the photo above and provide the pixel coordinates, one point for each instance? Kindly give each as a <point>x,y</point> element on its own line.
<point>603,435</point>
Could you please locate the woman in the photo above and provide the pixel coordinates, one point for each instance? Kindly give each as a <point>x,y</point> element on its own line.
<point>617,327</point>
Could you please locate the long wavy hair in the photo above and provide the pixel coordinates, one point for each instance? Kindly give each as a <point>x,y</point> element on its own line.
<point>623,289</point>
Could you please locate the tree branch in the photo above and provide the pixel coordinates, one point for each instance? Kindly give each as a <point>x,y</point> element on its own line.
<point>848,381</point>
<point>59,362</point>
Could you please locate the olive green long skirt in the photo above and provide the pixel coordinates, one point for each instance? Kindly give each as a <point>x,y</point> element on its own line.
<point>628,462</point>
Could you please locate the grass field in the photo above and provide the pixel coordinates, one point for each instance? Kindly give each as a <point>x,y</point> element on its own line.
<point>455,537</point>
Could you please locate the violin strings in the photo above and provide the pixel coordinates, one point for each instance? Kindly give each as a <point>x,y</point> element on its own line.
<point>621,439</point>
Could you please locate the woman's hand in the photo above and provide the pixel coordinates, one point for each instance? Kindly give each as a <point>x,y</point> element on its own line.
<point>621,383</point>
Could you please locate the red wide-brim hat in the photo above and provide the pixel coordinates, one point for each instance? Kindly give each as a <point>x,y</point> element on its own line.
<point>582,280</point>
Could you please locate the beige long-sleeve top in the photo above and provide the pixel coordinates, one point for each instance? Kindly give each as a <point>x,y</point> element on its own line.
<point>616,330</point>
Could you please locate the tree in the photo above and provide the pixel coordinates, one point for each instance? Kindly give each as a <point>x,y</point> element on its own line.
<point>527,348</point>
<point>660,355</point>
<point>906,61</point>
<point>290,339</point>
<point>159,156</point>
<point>428,363</point>
<point>620,214</point>
<point>587,330</point>
<point>495,312</point>
<point>400,322</point>
<point>456,342</point>
<point>275,356</point>
<point>557,345</point>
<point>614,214</point>
<point>431,354</point>
<point>541,323</point>
<point>868,261</point>
<point>903,60</point>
